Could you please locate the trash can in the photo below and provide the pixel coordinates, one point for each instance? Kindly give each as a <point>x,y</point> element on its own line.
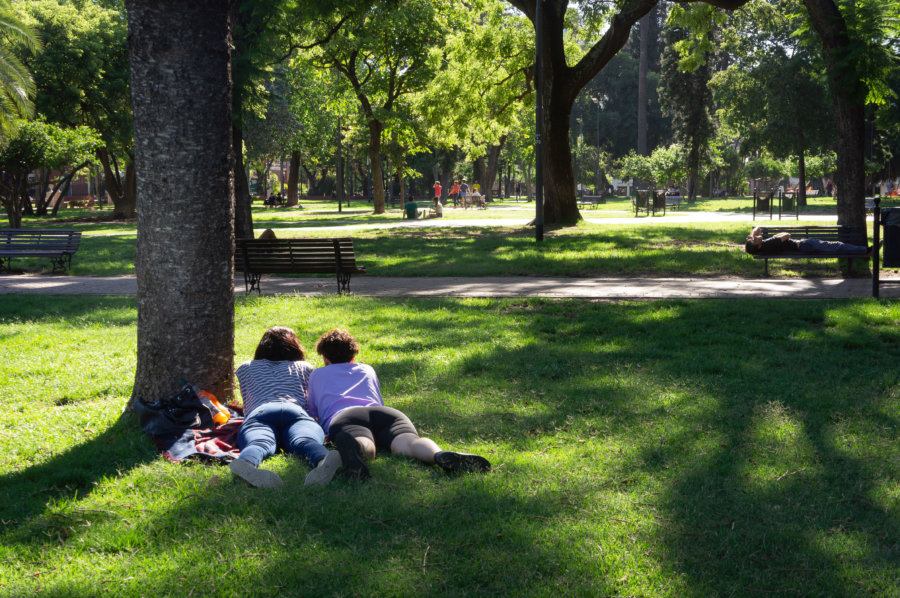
<point>890,249</point>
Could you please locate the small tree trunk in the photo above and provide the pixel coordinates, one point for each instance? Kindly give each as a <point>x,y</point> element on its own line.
<point>490,171</point>
<point>243,213</point>
<point>642,86</point>
<point>801,191</point>
<point>375,129</point>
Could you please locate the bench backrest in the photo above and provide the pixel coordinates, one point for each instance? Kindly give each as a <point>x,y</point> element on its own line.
<point>63,240</point>
<point>855,235</point>
<point>295,255</point>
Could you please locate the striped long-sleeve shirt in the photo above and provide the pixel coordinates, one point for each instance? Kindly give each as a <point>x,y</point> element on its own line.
<point>263,381</point>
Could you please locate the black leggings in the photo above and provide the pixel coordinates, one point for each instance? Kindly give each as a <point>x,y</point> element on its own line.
<point>379,424</point>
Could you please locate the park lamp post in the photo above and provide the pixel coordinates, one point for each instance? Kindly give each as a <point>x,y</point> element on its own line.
<point>539,119</point>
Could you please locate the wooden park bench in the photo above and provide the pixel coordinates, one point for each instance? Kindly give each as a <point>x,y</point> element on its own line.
<point>844,234</point>
<point>591,201</point>
<point>59,245</point>
<point>255,257</point>
<point>673,201</point>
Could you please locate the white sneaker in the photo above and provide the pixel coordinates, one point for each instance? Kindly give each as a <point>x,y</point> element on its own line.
<point>256,477</point>
<point>324,471</point>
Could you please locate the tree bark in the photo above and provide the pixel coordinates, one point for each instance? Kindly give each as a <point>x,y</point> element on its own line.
<point>490,171</point>
<point>375,129</point>
<point>642,87</point>
<point>181,96</point>
<point>848,94</point>
<point>243,215</point>
<point>801,188</point>
<point>293,177</point>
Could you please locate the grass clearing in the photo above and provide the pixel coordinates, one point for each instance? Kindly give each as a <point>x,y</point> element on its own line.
<point>589,249</point>
<point>667,448</point>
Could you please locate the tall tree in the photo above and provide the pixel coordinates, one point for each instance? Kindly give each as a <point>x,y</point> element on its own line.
<point>181,90</point>
<point>383,53</point>
<point>562,83</point>
<point>82,78</point>
<point>474,101</point>
<point>686,98</point>
<point>775,92</point>
<point>37,145</point>
<point>858,57</point>
<point>642,85</point>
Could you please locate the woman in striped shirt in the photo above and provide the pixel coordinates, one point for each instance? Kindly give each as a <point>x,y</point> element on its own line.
<point>273,387</point>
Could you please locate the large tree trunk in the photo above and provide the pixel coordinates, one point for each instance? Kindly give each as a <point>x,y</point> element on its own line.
<point>293,177</point>
<point>243,215</point>
<point>848,94</point>
<point>181,96</point>
<point>375,128</point>
<point>561,206</point>
<point>801,188</point>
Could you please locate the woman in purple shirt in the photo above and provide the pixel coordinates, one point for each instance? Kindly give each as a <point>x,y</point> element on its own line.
<point>346,399</point>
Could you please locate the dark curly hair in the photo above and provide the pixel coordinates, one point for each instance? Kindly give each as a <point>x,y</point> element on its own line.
<point>279,343</point>
<point>337,346</point>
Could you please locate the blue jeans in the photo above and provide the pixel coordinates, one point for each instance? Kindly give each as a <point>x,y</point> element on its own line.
<point>819,246</point>
<point>281,424</point>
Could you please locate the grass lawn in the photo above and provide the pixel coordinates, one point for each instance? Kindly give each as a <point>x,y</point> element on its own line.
<point>589,249</point>
<point>675,448</point>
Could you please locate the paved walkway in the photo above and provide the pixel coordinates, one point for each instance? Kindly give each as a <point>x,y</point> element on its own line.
<point>512,286</point>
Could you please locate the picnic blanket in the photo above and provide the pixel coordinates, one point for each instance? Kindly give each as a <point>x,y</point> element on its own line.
<point>207,445</point>
<point>183,426</point>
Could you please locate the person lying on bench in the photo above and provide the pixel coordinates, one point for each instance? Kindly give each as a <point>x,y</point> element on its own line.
<point>782,243</point>
<point>346,399</point>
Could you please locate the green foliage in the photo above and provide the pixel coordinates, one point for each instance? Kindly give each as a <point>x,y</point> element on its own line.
<point>873,28</point>
<point>766,167</point>
<point>665,164</point>
<point>16,82</point>
<point>39,144</point>
<point>821,165</point>
<point>482,79</point>
<point>82,72</point>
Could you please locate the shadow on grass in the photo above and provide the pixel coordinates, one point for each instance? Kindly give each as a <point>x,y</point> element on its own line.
<point>750,443</point>
<point>24,495</point>
<point>764,433</point>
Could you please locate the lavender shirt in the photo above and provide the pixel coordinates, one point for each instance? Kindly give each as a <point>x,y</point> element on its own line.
<point>338,386</point>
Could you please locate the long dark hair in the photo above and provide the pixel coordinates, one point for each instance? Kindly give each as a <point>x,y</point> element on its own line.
<point>279,343</point>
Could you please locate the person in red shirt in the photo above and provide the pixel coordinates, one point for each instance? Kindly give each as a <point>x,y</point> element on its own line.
<point>454,193</point>
<point>437,189</point>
